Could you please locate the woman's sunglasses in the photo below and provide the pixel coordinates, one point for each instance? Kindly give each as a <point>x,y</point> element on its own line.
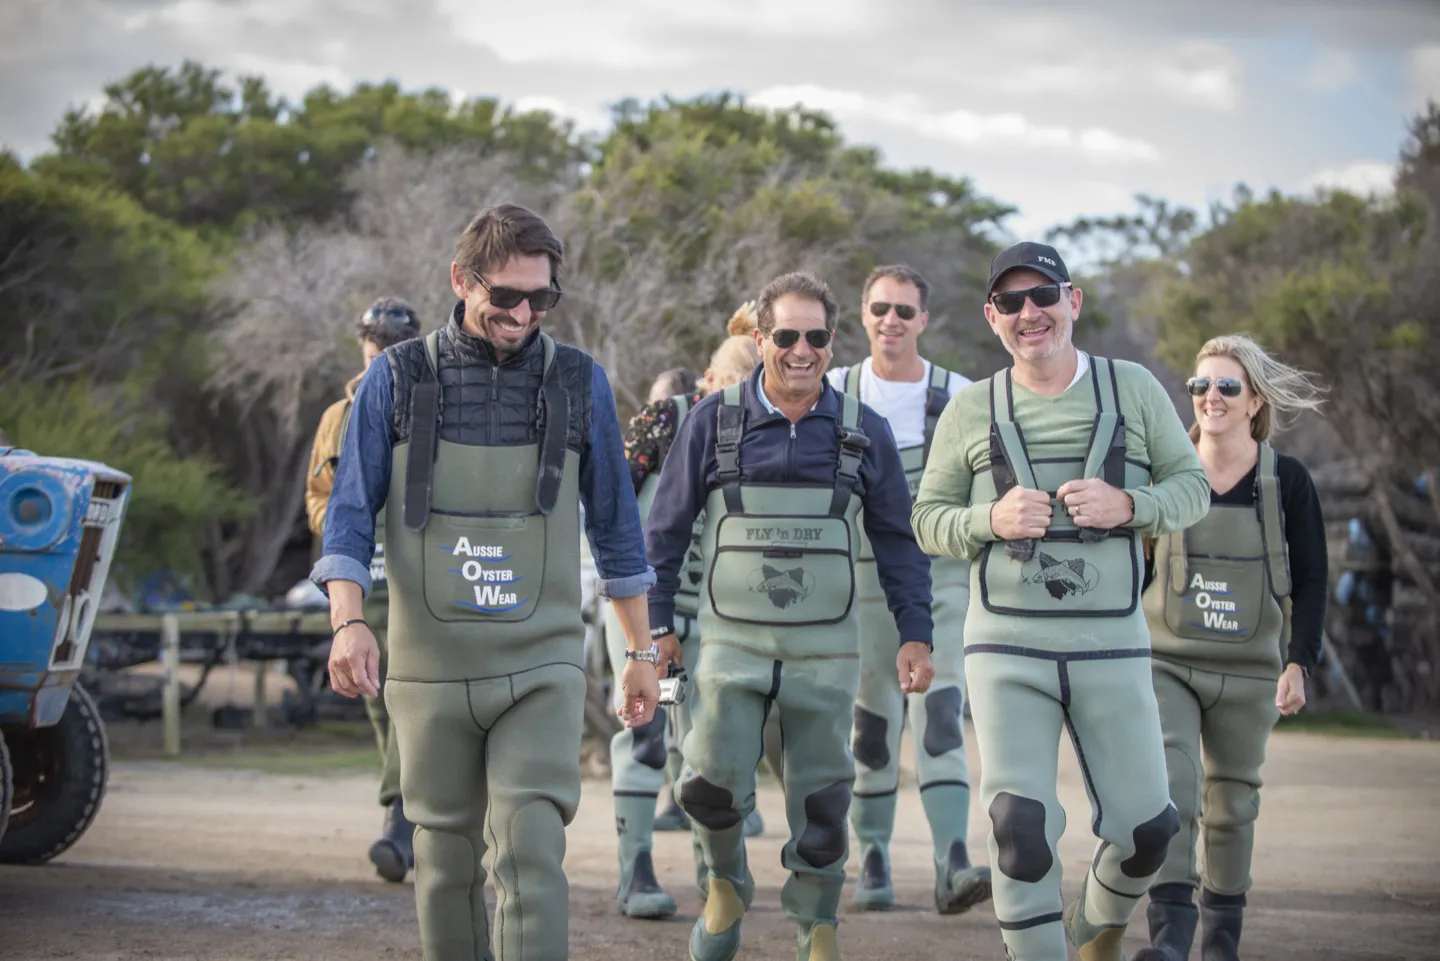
<point>787,337</point>
<point>1200,386</point>
<point>903,311</point>
<point>507,298</point>
<point>388,317</point>
<point>1013,301</point>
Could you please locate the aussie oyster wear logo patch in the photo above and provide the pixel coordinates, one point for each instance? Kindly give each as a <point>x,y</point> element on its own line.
<point>1209,600</point>
<point>493,586</point>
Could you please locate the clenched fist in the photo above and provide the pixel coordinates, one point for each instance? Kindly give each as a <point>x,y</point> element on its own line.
<point>1021,514</point>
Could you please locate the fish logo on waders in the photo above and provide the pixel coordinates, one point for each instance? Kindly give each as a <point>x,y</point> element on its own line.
<point>783,587</point>
<point>1062,579</point>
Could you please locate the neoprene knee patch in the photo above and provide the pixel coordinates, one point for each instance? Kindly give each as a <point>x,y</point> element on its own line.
<point>709,804</point>
<point>868,742</point>
<point>648,742</point>
<point>942,721</point>
<point>1019,824</point>
<point>1152,841</point>
<point>823,840</point>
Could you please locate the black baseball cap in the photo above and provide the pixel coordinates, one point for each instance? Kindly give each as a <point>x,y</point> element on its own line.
<point>1041,258</point>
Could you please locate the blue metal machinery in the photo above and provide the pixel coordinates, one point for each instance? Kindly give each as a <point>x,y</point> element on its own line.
<point>59,526</point>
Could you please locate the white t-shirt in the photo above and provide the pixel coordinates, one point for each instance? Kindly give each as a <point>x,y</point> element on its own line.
<point>899,402</point>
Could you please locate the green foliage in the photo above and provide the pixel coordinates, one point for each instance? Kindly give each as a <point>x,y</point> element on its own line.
<point>173,499</point>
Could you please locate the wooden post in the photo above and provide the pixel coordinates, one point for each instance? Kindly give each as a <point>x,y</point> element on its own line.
<point>259,707</point>
<point>170,706</point>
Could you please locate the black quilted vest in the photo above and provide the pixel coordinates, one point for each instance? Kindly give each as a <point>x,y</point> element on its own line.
<point>490,403</point>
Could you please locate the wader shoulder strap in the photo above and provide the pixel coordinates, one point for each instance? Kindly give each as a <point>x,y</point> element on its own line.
<point>1009,462</point>
<point>729,428</point>
<point>424,431</point>
<point>682,407</point>
<point>1272,520</point>
<point>555,401</point>
<point>853,443</point>
<point>937,395</point>
<point>1179,562</point>
<point>852,381</point>
<point>1106,458</point>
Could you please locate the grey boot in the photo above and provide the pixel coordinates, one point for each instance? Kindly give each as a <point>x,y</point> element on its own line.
<point>640,895</point>
<point>1172,916</point>
<point>393,854</point>
<point>874,892</point>
<point>960,885</point>
<point>1221,917</point>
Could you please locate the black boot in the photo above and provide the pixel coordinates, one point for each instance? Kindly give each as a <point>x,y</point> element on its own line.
<point>1222,916</point>
<point>394,853</point>
<point>1172,916</point>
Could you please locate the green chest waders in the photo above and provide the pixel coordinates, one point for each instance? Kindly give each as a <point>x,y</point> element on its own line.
<point>486,686</point>
<point>1055,638</point>
<point>778,629</point>
<point>641,756</point>
<point>377,611</point>
<point>936,718</point>
<point>1218,611</point>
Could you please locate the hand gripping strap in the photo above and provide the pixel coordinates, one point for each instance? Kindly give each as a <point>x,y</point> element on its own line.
<point>424,431</point>
<point>556,403</point>
<point>853,444</point>
<point>729,428</point>
<point>1272,521</point>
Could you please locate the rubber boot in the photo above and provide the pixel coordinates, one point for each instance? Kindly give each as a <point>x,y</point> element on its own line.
<point>640,895</point>
<point>716,935</point>
<point>1093,942</point>
<point>959,885</point>
<point>1221,918</point>
<point>393,854</point>
<point>672,818</point>
<point>817,942</point>
<point>754,824</point>
<point>873,818</point>
<point>1172,916</point>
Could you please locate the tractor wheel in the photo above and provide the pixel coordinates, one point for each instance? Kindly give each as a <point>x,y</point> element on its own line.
<point>59,776</point>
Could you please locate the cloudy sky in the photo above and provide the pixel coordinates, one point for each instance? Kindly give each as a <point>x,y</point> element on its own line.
<point>1059,107</point>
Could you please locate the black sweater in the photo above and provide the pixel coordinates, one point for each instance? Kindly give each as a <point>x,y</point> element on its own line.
<point>1305,538</point>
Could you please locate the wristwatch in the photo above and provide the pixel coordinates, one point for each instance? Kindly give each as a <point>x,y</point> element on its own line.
<point>650,654</point>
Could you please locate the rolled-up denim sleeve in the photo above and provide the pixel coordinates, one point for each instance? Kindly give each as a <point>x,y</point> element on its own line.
<point>612,517</point>
<point>362,483</point>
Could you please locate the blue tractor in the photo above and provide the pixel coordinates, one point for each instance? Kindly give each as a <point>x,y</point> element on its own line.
<point>59,525</point>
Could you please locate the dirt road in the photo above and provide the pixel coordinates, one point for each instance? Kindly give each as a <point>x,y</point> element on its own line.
<point>199,863</point>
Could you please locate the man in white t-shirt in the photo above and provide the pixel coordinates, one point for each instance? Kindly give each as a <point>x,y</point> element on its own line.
<point>910,393</point>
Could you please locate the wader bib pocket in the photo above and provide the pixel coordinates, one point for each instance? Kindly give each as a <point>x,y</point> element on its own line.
<point>778,569</point>
<point>1071,571</point>
<point>1222,601</point>
<point>484,567</point>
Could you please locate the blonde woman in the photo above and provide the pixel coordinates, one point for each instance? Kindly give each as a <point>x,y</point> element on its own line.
<point>641,757</point>
<point>1236,608</point>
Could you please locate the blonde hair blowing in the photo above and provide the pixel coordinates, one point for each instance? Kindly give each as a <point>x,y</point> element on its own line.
<point>1285,390</point>
<point>737,354</point>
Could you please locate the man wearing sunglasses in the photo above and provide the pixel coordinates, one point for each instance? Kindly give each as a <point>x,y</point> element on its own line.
<point>1045,477</point>
<point>782,466</point>
<point>910,393</point>
<point>386,322</point>
<point>481,442</point>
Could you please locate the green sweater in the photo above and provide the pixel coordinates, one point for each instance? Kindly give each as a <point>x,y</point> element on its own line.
<point>947,524</point>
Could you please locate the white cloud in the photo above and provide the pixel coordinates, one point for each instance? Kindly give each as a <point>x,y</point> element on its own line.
<point>1200,74</point>
<point>1331,70</point>
<point>1363,177</point>
<point>966,128</point>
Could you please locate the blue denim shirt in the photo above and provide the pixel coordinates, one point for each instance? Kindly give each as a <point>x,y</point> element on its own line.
<point>362,484</point>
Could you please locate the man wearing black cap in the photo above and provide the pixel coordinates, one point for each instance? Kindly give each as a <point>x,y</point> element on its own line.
<point>1045,476</point>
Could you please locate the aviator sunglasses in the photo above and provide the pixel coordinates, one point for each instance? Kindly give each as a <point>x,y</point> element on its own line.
<point>1200,386</point>
<point>388,316</point>
<point>903,311</point>
<point>508,297</point>
<point>787,337</point>
<point>1012,301</point>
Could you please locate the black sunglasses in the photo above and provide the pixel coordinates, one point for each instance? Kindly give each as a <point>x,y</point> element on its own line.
<point>903,311</point>
<point>1200,386</point>
<point>507,297</point>
<point>388,317</point>
<point>787,337</point>
<point>1013,301</point>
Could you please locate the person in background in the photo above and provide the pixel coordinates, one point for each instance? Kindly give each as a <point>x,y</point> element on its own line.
<point>386,322</point>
